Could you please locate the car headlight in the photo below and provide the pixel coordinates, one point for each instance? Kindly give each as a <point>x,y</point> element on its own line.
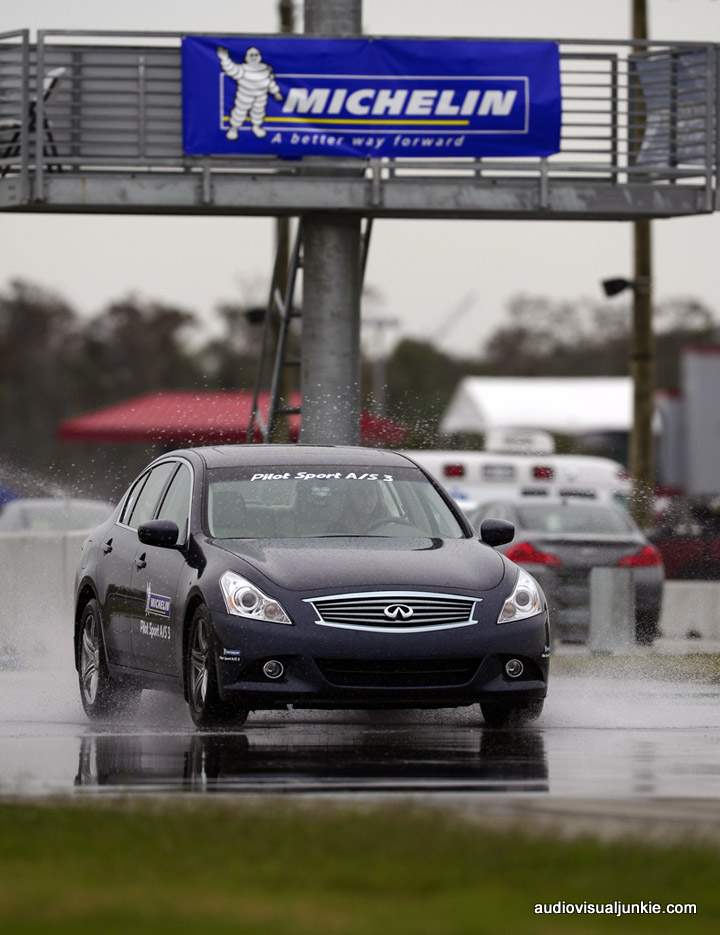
<point>245,600</point>
<point>525,600</point>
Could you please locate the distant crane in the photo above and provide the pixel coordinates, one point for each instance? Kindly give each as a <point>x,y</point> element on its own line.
<point>380,325</point>
<point>456,313</point>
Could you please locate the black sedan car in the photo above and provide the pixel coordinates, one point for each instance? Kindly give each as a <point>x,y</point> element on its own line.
<point>259,577</point>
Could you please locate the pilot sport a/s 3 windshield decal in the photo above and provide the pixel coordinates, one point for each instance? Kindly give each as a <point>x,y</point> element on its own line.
<point>297,96</point>
<point>323,475</point>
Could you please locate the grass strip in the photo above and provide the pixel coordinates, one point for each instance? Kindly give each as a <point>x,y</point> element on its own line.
<point>181,866</point>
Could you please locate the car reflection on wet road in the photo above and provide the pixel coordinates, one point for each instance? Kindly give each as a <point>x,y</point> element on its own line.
<point>492,761</point>
<point>599,737</point>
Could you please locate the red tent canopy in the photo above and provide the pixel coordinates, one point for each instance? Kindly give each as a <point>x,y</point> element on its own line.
<point>194,418</point>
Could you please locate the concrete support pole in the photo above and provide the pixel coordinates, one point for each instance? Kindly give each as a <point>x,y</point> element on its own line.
<point>331,289</point>
<point>331,331</point>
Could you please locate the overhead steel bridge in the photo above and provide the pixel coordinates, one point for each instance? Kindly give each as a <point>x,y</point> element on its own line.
<point>92,122</point>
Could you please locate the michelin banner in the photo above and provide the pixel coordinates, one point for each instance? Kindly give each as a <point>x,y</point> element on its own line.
<point>297,96</point>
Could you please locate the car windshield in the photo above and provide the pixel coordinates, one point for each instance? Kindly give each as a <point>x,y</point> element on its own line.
<point>573,517</point>
<point>316,501</point>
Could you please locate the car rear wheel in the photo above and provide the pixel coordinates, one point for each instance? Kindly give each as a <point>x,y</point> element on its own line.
<point>646,627</point>
<point>102,696</point>
<point>207,709</point>
<point>506,714</point>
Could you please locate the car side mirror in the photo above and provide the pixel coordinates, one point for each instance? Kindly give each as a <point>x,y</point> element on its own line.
<point>495,532</point>
<point>160,532</point>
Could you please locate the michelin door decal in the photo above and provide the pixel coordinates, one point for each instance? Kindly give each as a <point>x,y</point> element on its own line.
<point>294,97</point>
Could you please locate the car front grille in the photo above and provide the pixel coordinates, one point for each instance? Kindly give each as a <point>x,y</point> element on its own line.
<point>415,673</point>
<point>394,610</point>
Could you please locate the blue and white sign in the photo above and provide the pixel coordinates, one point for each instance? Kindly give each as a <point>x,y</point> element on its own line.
<point>296,96</point>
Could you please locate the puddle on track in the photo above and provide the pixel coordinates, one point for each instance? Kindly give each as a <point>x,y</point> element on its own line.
<point>598,737</point>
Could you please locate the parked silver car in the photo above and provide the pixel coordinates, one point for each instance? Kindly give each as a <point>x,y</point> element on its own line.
<point>561,541</point>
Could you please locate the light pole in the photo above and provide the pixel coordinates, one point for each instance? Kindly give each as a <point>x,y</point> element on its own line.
<point>642,359</point>
<point>642,369</point>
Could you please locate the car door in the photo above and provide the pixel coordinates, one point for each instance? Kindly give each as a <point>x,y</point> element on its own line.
<point>158,625</point>
<point>115,565</point>
<point>142,500</point>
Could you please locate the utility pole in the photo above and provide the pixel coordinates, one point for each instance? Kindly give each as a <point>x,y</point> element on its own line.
<point>642,443</point>
<point>331,288</point>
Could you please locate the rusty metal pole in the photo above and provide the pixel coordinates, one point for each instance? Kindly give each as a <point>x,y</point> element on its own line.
<point>642,443</point>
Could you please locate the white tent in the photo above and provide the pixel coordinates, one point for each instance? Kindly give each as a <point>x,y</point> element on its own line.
<point>566,405</point>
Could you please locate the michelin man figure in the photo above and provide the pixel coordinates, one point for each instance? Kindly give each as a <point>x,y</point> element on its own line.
<point>254,80</point>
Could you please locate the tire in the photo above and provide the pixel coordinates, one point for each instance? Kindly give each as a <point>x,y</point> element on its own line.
<point>101,695</point>
<point>207,709</point>
<point>646,627</point>
<point>506,714</point>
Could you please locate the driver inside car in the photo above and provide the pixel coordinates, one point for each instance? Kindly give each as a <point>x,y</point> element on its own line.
<point>363,510</point>
<point>329,511</point>
<point>318,509</point>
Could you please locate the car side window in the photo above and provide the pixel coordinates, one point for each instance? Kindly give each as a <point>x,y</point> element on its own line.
<point>146,503</point>
<point>176,502</point>
<point>131,500</point>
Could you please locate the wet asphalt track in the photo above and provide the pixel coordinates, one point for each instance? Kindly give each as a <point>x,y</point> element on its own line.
<point>598,738</point>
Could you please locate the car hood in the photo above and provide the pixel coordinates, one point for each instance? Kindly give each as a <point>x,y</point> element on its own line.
<point>371,562</point>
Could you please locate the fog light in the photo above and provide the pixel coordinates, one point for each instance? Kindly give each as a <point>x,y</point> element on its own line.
<point>514,668</point>
<point>273,669</point>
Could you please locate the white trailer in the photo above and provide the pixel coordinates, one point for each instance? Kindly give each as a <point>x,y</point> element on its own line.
<point>473,476</point>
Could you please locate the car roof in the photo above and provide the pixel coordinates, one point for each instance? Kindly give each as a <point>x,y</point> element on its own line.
<point>273,455</point>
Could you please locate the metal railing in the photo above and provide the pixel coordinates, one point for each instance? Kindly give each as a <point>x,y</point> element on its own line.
<point>634,114</point>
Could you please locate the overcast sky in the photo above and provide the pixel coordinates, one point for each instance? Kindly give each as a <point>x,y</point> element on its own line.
<point>421,268</point>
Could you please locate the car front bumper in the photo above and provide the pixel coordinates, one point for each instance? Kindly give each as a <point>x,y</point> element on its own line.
<point>327,667</point>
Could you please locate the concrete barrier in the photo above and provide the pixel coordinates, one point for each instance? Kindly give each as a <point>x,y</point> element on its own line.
<point>612,610</point>
<point>37,574</point>
<point>691,607</point>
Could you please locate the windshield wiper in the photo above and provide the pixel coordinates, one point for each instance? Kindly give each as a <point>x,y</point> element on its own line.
<point>346,535</point>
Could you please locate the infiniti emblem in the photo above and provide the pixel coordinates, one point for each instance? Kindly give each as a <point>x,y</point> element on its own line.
<point>393,611</point>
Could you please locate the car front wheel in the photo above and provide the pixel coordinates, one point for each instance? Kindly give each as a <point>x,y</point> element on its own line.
<point>507,714</point>
<point>102,696</point>
<point>207,709</point>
